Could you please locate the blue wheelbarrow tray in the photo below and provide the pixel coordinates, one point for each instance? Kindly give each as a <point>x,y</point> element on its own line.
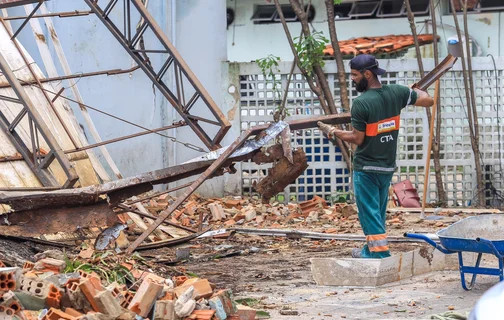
<point>479,234</point>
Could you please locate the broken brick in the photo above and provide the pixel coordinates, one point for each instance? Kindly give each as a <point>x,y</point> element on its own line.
<point>73,312</point>
<point>145,297</point>
<point>107,304</point>
<point>201,315</point>
<point>50,265</point>
<point>229,223</point>
<point>217,211</point>
<point>245,312</point>
<point>202,288</point>
<point>56,314</point>
<point>164,310</point>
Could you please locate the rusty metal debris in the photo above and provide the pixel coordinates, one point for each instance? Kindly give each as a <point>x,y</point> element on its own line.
<point>283,173</point>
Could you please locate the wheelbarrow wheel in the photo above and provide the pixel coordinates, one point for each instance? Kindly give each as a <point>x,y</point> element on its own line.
<point>473,271</point>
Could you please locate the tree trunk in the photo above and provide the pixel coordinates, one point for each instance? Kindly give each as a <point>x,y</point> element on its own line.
<point>443,199</point>
<point>320,77</point>
<point>474,146</point>
<point>345,103</point>
<point>315,88</point>
<point>411,19</point>
<point>481,186</point>
<point>319,73</point>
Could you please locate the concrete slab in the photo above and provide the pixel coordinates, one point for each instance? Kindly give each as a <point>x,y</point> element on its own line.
<point>376,272</point>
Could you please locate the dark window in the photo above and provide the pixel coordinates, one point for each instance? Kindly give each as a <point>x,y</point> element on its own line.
<point>342,10</point>
<point>364,9</point>
<point>288,13</point>
<point>269,14</point>
<point>390,8</point>
<point>487,5</point>
<point>264,13</point>
<point>418,7</point>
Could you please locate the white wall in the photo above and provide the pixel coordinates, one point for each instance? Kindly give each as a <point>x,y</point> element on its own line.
<point>248,41</point>
<point>199,35</point>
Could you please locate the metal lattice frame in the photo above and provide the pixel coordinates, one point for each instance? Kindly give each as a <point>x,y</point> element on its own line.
<point>327,174</point>
<point>38,129</point>
<point>189,89</point>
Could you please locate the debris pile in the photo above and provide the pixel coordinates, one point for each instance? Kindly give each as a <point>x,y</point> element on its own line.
<point>238,211</point>
<point>105,286</point>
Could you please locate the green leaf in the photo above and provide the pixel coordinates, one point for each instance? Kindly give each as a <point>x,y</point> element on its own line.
<point>191,274</point>
<point>337,1</point>
<point>262,314</point>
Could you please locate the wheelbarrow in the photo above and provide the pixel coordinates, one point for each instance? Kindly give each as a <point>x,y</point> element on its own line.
<point>480,234</point>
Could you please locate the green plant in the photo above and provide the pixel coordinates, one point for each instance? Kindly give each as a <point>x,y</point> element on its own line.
<point>310,50</point>
<point>106,265</point>
<point>337,1</point>
<point>341,196</point>
<point>269,69</point>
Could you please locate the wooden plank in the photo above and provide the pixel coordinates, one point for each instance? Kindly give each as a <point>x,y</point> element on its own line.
<point>66,67</point>
<point>65,107</point>
<point>139,206</point>
<point>84,169</point>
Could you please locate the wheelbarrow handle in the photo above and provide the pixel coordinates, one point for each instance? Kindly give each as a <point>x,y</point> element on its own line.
<point>492,246</point>
<point>429,241</point>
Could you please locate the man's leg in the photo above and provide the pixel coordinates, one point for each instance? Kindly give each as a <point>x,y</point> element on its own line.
<point>367,194</point>
<point>384,194</point>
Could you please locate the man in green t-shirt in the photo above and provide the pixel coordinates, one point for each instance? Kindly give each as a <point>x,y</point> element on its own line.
<point>375,122</point>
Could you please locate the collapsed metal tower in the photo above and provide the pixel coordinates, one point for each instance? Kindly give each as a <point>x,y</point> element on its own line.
<point>188,90</point>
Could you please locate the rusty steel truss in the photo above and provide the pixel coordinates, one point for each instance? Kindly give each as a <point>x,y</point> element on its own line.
<point>188,90</point>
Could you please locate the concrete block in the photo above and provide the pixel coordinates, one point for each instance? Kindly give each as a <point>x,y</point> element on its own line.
<point>107,304</point>
<point>355,272</point>
<point>30,302</point>
<point>406,265</point>
<point>223,304</point>
<point>164,310</point>
<point>144,299</point>
<point>375,272</point>
<point>62,279</point>
<point>41,289</point>
<point>11,301</point>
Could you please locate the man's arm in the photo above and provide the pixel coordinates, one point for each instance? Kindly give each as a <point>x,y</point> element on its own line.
<point>423,99</point>
<point>355,136</point>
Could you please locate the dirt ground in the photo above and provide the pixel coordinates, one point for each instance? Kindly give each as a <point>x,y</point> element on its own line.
<point>274,275</point>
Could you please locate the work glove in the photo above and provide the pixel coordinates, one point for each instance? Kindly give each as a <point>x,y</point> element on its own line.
<point>327,129</point>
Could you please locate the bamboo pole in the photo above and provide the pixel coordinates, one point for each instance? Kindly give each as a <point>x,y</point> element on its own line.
<point>429,148</point>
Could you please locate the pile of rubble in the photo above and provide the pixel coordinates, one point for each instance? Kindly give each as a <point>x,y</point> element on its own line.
<point>55,287</point>
<point>239,211</point>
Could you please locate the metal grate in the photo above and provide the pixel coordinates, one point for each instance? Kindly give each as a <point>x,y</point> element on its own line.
<point>327,175</point>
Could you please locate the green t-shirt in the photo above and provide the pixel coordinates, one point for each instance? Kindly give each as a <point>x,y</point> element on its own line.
<point>377,113</point>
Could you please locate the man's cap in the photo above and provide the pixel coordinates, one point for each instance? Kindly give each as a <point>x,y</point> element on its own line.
<point>365,62</point>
